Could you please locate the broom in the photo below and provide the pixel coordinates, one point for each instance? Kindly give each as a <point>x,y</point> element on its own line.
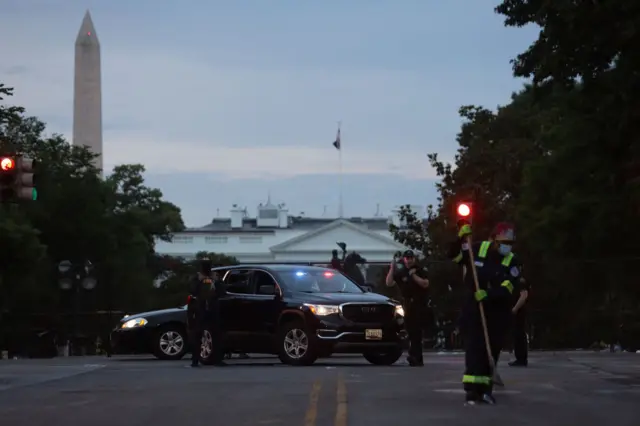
<point>497,380</point>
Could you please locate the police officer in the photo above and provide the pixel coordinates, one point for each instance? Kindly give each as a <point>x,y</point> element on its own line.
<point>198,314</point>
<point>413,283</point>
<point>520,344</point>
<point>213,319</point>
<point>497,276</point>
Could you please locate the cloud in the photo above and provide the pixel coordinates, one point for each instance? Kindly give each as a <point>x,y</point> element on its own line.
<point>165,157</point>
<point>243,123</point>
<point>210,195</point>
<point>218,100</point>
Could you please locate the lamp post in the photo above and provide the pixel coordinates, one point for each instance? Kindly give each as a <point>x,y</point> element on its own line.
<point>74,277</point>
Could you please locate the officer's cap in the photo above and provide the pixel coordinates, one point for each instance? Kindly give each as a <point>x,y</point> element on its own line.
<point>408,253</point>
<point>205,267</point>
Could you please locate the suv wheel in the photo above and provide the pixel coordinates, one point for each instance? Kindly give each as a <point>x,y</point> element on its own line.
<point>170,343</point>
<point>206,348</point>
<point>388,357</point>
<point>296,345</point>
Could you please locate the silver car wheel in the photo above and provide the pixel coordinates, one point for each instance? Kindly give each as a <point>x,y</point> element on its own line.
<point>296,343</point>
<point>206,345</point>
<point>171,343</point>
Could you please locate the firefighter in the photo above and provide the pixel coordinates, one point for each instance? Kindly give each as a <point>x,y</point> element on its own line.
<point>497,277</point>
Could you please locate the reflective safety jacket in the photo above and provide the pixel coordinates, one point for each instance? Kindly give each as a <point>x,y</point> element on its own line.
<point>498,275</point>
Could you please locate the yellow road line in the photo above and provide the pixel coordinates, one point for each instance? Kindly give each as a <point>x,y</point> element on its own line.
<point>312,411</point>
<point>341,399</point>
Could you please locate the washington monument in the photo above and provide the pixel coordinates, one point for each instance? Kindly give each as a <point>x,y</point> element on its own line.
<point>87,90</point>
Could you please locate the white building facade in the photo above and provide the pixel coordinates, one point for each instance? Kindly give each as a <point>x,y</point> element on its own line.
<point>275,236</point>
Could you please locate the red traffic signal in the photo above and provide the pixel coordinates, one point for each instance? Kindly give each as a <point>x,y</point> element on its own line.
<point>464,210</point>
<point>7,164</point>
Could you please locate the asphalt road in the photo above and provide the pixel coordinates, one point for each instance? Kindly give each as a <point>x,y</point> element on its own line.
<point>556,389</point>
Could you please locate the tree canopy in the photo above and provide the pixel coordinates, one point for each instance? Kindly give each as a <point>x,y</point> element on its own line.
<point>111,222</point>
<point>561,162</point>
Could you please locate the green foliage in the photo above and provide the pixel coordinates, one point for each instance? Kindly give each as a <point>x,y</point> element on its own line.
<point>173,275</point>
<point>79,216</point>
<point>558,160</point>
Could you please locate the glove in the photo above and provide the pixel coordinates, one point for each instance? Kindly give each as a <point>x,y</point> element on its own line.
<point>480,295</point>
<point>464,231</point>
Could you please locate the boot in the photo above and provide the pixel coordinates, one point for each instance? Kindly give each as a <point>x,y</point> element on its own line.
<point>518,363</point>
<point>487,398</point>
<point>472,398</point>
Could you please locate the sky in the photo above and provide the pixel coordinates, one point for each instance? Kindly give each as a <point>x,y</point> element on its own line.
<point>229,102</point>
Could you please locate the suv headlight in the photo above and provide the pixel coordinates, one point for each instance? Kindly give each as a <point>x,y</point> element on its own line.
<point>136,322</point>
<point>322,310</point>
<point>399,310</point>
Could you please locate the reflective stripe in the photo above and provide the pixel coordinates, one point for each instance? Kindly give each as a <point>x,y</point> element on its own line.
<point>507,284</point>
<point>484,248</point>
<point>458,258</point>
<point>480,380</point>
<point>507,260</point>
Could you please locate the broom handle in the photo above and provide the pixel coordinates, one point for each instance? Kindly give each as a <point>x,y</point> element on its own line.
<point>483,318</point>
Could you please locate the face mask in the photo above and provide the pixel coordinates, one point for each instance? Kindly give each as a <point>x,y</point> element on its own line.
<point>504,249</point>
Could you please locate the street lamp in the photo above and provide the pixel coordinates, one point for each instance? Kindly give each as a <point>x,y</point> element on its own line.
<point>74,277</point>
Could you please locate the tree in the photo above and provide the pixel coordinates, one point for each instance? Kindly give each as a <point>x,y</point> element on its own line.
<point>583,193</point>
<point>556,161</point>
<point>78,216</point>
<point>174,275</point>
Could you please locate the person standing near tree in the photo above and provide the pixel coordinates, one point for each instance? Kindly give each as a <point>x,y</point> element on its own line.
<point>197,301</point>
<point>520,341</point>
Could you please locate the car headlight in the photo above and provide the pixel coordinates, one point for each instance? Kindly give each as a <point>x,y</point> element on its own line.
<point>136,322</point>
<point>399,310</point>
<point>322,310</point>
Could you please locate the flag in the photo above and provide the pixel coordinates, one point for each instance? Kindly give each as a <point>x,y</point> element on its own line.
<point>336,143</point>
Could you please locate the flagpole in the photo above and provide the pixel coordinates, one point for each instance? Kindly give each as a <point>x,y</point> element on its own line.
<point>340,205</point>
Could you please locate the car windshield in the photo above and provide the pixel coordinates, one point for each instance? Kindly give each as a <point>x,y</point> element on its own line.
<point>318,281</point>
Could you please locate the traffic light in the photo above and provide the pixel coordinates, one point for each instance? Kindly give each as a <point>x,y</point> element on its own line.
<point>16,178</point>
<point>464,211</point>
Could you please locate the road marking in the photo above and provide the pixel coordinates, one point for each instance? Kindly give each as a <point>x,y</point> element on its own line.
<point>461,391</point>
<point>80,403</point>
<point>341,399</point>
<point>312,411</point>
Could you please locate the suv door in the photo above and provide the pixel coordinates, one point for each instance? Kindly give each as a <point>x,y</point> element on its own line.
<point>234,307</point>
<point>264,310</point>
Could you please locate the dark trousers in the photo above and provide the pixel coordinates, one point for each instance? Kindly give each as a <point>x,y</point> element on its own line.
<point>217,350</point>
<point>195,341</point>
<point>520,345</point>
<point>415,324</point>
<point>477,374</point>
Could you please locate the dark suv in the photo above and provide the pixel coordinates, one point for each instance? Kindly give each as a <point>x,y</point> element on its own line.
<point>300,313</point>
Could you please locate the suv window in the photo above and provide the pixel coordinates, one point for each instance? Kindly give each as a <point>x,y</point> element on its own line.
<point>264,284</point>
<point>239,281</point>
<point>318,281</point>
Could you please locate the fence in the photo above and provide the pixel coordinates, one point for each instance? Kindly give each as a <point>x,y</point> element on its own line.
<point>43,335</point>
<point>573,304</point>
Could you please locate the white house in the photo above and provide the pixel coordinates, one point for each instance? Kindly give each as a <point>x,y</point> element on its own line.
<point>275,236</point>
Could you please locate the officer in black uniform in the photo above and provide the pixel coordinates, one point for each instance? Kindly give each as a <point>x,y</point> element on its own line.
<point>199,315</point>
<point>497,276</point>
<point>413,283</point>
<point>213,320</point>
<point>520,343</point>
